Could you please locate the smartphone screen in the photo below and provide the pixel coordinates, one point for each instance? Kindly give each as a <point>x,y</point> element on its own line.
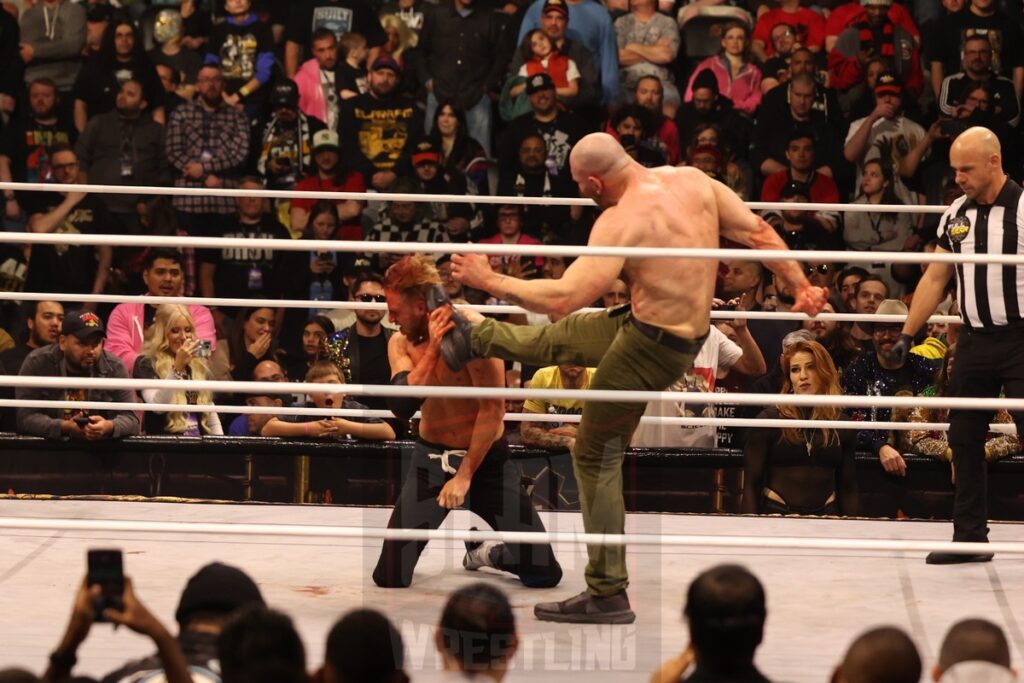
<point>106,570</point>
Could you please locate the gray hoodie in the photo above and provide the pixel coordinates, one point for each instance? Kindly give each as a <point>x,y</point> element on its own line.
<point>57,35</point>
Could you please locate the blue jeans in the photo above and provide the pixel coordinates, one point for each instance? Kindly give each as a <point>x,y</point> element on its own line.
<point>478,120</point>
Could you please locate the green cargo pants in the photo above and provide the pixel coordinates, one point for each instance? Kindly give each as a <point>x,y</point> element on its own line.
<point>626,359</point>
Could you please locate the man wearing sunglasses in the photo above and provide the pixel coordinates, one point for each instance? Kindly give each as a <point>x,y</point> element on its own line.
<point>368,339</point>
<point>822,275</point>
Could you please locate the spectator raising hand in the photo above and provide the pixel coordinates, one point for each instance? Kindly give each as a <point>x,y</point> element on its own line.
<point>135,615</point>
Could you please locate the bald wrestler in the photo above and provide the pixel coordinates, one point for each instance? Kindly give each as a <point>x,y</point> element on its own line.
<point>990,353</point>
<point>644,346</point>
<point>461,456</point>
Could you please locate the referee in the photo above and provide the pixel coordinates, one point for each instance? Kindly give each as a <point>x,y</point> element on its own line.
<point>990,353</point>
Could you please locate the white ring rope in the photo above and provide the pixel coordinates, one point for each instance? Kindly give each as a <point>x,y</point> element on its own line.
<point>509,417</point>
<point>372,306</point>
<point>544,250</point>
<point>603,395</point>
<point>438,198</point>
<point>458,535</point>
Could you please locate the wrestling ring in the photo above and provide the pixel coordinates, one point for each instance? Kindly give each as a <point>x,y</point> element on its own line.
<point>827,580</point>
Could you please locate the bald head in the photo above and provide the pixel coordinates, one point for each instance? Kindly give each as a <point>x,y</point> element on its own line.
<point>977,140</point>
<point>976,158</point>
<point>599,155</point>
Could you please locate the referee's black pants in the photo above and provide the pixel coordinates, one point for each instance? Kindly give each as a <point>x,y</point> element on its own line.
<point>496,495</point>
<point>987,363</point>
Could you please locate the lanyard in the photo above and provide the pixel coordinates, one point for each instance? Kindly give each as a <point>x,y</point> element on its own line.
<point>51,25</point>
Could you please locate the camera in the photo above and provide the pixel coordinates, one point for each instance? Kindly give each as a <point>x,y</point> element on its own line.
<point>203,348</point>
<point>81,421</point>
<point>106,570</point>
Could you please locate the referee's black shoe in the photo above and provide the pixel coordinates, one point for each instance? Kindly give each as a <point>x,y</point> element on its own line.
<point>957,558</point>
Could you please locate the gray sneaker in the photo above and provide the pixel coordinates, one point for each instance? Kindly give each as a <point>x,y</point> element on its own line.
<point>456,346</point>
<point>480,556</point>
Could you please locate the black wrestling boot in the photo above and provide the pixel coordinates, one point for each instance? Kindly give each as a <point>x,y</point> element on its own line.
<point>456,348</point>
<point>588,609</point>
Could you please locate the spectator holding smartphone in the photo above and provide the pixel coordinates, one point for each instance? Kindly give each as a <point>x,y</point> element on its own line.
<point>172,351</point>
<point>78,353</point>
<point>170,655</point>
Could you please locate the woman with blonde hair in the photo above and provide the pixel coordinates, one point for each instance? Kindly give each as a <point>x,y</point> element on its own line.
<point>172,351</point>
<point>400,37</point>
<point>802,471</point>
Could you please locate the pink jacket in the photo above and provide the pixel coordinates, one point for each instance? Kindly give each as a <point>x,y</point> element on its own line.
<point>311,92</point>
<point>745,91</point>
<point>125,331</point>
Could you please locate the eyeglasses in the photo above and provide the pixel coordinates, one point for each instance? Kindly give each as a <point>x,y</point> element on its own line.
<point>820,269</point>
<point>888,330</point>
<point>367,298</point>
<point>65,167</point>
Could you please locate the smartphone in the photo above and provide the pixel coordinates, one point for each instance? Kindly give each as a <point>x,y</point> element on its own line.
<point>81,421</point>
<point>952,128</point>
<point>203,348</point>
<point>106,570</point>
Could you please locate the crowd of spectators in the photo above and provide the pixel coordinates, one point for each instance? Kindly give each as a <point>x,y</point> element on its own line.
<point>227,632</point>
<point>836,102</point>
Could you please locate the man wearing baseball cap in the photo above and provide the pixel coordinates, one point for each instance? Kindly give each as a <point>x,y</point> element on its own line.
<point>284,138</point>
<point>77,353</point>
<point>554,22</point>
<point>210,596</point>
<point>560,129</point>
<point>592,26</point>
<point>886,127</point>
<point>379,125</point>
<point>329,173</point>
<point>875,33</point>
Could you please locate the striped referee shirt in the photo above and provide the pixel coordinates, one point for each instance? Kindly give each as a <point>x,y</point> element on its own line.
<point>991,296</point>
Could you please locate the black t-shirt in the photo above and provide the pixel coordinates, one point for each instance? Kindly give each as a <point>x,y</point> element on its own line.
<point>238,49</point>
<point>1003,33</point>
<point>249,273</point>
<point>374,367</point>
<point>98,82</point>
<point>187,62</point>
<point>26,143</point>
<point>340,16</point>
<point>348,77</point>
<point>774,67</point>
<point>559,135</point>
<point>66,267</point>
